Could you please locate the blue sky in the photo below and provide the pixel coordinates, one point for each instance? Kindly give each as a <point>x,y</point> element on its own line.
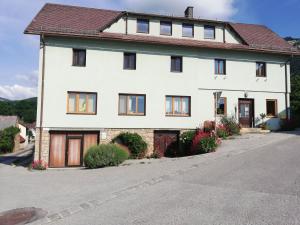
<point>19,52</point>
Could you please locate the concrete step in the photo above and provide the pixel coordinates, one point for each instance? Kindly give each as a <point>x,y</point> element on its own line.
<point>253,131</point>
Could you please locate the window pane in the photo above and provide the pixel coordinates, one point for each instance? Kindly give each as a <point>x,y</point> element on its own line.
<point>177,105</point>
<point>143,26</point>
<point>79,57</point>
<point>72,103</point>
<point>169,105</point>
<point>209,32</point>
<point>132,104</point>
<point>91,103</point>
<point>166,28</point>
<point>271,108</point>
<point>122,104</point>
<point>220,66</point>
<point>176,64</point>
<point>141,104</point>
<point>185,105</point>
<point>221,106</point>
<point>82,103</point>
<point>260,69</point>
<point>130,61</point>
<point>187,30</point>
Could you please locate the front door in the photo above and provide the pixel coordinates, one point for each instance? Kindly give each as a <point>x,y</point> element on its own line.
<point>74,151</point>
<point>166,142</point>
<point>246,112</point>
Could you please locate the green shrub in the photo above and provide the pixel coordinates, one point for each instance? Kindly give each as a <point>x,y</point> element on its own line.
<point>222,133</point>
<point>186,141</point>
<point>7,139</point>
<point>207,144</point>
<point>230,124</point>
<point>288,125</point>
<point>135,143</point>
<point>105,155</point>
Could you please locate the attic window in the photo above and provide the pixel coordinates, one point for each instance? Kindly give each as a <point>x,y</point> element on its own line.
<point>209,32</point>
<point>143,26</point>
<point>79,57</point>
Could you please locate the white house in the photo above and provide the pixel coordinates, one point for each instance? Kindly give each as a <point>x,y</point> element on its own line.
<point>103,72</point>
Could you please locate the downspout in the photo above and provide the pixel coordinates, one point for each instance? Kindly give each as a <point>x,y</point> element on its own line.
<point>287,108</point>
<point>43,45</point>
<point>126,24</point>
<point>224,27</point>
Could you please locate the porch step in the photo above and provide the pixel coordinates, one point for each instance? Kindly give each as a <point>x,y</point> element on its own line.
<point>253,131</point>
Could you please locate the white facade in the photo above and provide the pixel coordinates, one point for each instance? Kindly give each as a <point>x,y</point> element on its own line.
<point>104,74</point>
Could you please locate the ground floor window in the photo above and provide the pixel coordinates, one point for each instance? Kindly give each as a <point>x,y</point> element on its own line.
<point>222,106</point>
<point>82,103</point>
<point>271,107</point>
<point>178,105</point>
<point>132,104</point>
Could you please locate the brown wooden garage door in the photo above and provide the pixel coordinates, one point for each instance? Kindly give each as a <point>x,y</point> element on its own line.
<point>67,149</point>
<point>166,142</point>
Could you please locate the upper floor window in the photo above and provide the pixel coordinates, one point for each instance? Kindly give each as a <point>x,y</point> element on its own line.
<point>220,66</point>
<point>222,106</point>
<point>165,28</point>
<point>209,32</point>
<point>79,57</point>
<point>178,105</point>
<point>271,108</point>
<point>143,26</point>
<point>82,103</point>
<point>261,69</point>
<point>187,30</point>
<point>176,64</point>
<point>132,104</point>
<point>129,61</point>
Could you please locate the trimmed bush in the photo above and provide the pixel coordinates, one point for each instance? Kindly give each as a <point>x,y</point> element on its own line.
<point>186,142</point>
<point>230,124</point>
<point>135,143</point>
<point>207,144</point>
<point>105,155</point>
<point>222,132</point>
<point>7,139</point>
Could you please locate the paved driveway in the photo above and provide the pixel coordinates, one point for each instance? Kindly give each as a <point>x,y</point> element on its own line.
<point>254,179</point>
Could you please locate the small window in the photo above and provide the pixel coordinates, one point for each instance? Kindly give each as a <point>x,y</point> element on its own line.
<point>220,66</point>
<point>129,61</point>
<point>166,28</point>
<point>82,103</point>
<point>187,30</point>
<point>222,106</point>
<point>132,104</point>
<point>143,26</point>
<point>209,32</point>
<point>79,57</point>
<point>271,108</point>
<point>178,106</point>
<point>261,70</point>
<point>176,64</point>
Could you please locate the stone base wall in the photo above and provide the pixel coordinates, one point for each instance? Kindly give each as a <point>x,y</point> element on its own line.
<point>146,134</point>
<point>17,143</point>
<point>45,145</point>
<point>106,136</point>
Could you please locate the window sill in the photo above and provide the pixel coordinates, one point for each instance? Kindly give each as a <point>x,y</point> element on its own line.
<point>128,69</point>
<point>131,114</point>
<point>187,36</point>
<point>209,38</point>
<point>141,32</point>
<point>175,71</point>
<point>270,117</point>
<point>178,115</point>
<point>88,114</point>
<point>166,34</point>
<point>78,66</point>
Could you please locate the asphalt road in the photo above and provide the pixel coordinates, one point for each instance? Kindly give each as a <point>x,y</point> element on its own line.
<point>254,179</point>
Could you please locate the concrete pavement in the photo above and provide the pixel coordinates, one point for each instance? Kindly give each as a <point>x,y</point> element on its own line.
<point>254,179</point>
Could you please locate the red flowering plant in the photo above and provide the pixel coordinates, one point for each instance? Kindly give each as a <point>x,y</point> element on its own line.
<point>39,165</point>
<point>222,132</point>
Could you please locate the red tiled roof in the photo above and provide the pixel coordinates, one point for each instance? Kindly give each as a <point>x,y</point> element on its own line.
<point>260,36</point>
<point>54,19</point>
<point>71,19</point>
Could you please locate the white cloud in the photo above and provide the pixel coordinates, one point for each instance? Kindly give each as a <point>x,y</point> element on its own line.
<point>17,92</point>
<point>30,79</point>
<point>213,9</point>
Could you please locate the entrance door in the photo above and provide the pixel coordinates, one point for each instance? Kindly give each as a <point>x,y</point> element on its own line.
<point>74,153</point>
<point>57,150</point>
<point>166,142</point>
<point>246,112</point>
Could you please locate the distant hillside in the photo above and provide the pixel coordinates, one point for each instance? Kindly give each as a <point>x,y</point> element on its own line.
<point>24,109</point>
<point>293,41</point>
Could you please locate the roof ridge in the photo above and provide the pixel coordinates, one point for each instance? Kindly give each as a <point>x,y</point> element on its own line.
<point>82,7</point>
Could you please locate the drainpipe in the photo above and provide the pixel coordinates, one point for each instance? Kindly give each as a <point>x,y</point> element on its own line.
<point>126,24</point>
<point>224,39</point>
<point>43,46</point>
<point>287,107</point>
